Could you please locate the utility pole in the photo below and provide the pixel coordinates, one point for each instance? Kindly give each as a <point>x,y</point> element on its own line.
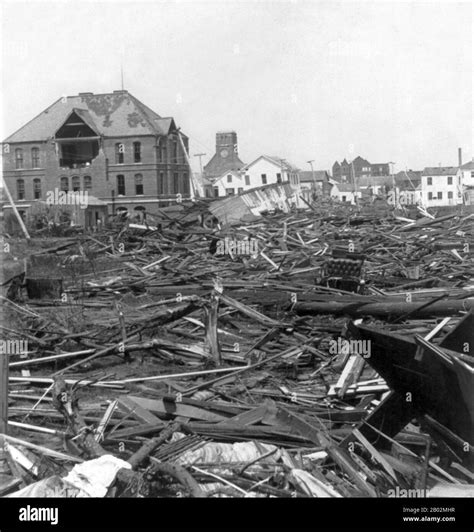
<point>200,155</point>
<point>312,173</point>
<point>391,166</point>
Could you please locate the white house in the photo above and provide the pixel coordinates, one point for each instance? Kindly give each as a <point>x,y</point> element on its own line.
<point>228,184</point>
<point>268,170</point>
<point>344,192</point>
<point>467,179</point>
<point>441,186</point>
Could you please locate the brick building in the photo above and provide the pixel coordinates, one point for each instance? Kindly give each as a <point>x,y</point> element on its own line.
<point>226,158</point>
<point>359,167</point>
<point>111,145</point>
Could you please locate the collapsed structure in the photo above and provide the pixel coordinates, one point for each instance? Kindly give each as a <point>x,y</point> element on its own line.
<point>335,361</point>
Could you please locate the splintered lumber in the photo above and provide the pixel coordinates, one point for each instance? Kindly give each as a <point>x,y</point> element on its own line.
<point>176,408</point>
<point>319,438</point>
<point>358,309</point>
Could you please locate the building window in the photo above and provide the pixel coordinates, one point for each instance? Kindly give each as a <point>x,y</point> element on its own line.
<point>430,195</point>
<point>472,174</point>
<point>185,183</point>
<point>247,180</point>
<point>216,192</point>
<point>230,191</point>
<point>76,183</point>
<point>264,179</point>
<point>35,158</point>
<point>161,183</point>
<point>138,184</point>
<point>440,195</point>
<point>87,182</point>
<point>175,151</point>
<point>121,185</point>
<point>137,152</point>
<point>429,181</point>
<point>278,177</point>
<point>20,189</point>
<point>175,183</point>
<point>343,198</point>
<point>18,158</point>
<point>64,184</point>
<point>450,180</point>
<point>229,178</point>
<point>240,190</point>
<point>119,153</point>
<point>37,188</point>
<point>162,150</point>
<point>450,195</point>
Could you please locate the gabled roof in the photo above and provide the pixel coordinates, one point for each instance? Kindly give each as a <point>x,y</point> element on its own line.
<point>344,187</point>
<point>440,170</point>
<point>319,175</point>
<point>468,166</point>
<point>113,115</point>
<point>360,160</point>
<point>277,161</point>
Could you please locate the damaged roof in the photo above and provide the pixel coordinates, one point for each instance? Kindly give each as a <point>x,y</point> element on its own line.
<point>113,115</point>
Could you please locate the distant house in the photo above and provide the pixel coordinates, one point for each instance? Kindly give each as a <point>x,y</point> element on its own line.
<point>441,186</point>
<point>268,170</point>
<point>467,179</point>
<point>359,167</point>
<point>229,183</point>
<point>344,192</point>
<point>316,181</point>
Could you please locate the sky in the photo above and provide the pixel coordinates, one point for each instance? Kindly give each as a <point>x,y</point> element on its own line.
<point>304,80</point>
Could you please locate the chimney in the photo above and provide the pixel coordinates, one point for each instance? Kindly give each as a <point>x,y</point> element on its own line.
<point>460,156</point>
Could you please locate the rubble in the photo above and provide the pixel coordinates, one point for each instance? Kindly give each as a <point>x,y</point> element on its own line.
<point>190,369</point>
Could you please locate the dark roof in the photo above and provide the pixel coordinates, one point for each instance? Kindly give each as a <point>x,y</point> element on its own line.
<point>218,165</point>
<point>440,170</point>
<point>360,160</point>
<point>405,176</point>
<point>113,115</point>
<point>319,175</point>
<point>468,166</point>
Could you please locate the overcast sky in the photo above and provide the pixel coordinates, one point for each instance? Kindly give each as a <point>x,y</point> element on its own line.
<point>391,81</point>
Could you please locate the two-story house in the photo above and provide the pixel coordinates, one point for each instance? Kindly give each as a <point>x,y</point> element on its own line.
<point>111,145</point>
<point>441,185</point>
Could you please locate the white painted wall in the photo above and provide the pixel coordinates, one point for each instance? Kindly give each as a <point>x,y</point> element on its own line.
<point>440,186</point>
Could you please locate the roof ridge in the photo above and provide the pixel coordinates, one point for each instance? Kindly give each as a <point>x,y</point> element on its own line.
<point>34,118</point>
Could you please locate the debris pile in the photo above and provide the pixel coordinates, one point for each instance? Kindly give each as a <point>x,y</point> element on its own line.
<point>301,354</point>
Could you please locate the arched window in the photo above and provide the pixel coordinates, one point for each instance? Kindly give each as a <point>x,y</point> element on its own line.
<point>64,184</point>
<point>76,183</point>
<point>138,184</point>
<point>20,189</point>
<point>119,152</point>
<point>18,158</point>
<point>35,158</point>
<point>37,188</point>
<point>137,152</point>
<point>141,212</point>
<point>87,182</point>
<point>121,185</point>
